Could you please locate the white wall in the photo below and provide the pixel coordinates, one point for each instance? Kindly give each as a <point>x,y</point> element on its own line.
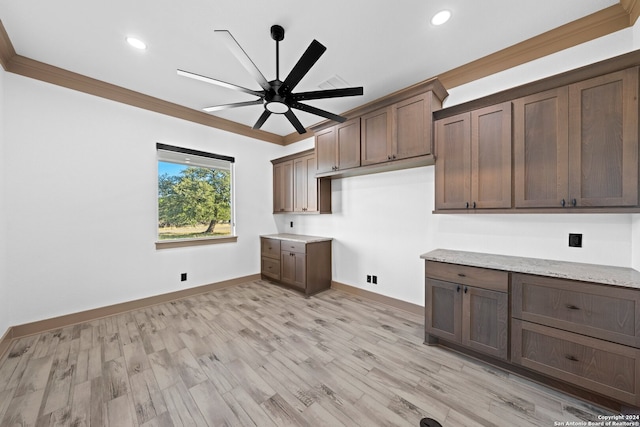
<point>81,199</point>
<point>382,223</point>
<point>4,302</point>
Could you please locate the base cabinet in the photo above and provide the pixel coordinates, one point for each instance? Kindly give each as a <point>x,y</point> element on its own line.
<point>585,334</point>
<point>472,309</point>
<point>299,264</point>
<point>576,335</point>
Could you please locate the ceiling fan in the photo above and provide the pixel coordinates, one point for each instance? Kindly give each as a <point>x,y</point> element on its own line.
<point>277,96</point>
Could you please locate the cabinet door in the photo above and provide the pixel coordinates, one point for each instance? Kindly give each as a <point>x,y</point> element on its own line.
<point>348,144</point>
<point>485,320</point>
<point>299,184</point>
<point>603,140</point>
<point>376,137</point>
<point>311,184</point>
<point>443,302</point>
<point>540,145</point>
<point>326,150</point>
<point>283,187</point>
<point>412,127</point>
<point>293,269</point>
<point>305,188</point>
<point>453,162</point>
<point>491,157</point>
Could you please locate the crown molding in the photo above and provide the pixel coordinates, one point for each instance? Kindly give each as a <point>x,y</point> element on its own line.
<point>598,24</point>
<point>606,21</point>
<point>18,64</point>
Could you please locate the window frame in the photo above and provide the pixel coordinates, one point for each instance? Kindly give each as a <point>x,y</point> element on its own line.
<point>171,154</point>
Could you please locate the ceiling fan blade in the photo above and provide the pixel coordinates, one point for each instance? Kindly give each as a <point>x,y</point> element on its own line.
<point>219,83</point>
<point>263,118</point>
<point>295,122</point>
<point>244,59</point>
<point>302,67</point>
<point>234,105</point>
<point>329,93</point>
<point>317,111</point>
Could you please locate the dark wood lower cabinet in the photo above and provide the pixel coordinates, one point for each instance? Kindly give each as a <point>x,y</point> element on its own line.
<point>473,316</point>
<point>582,338</point>
<point>602,366</point>
<point>299,262</point>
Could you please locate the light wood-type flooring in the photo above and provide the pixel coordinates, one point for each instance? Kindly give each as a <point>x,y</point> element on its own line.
<point>259,354</point>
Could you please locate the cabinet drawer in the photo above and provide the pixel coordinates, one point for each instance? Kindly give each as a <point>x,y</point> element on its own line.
<point>271,268</point>
<point>289,246</point>
<point>473,276</point>
<point>606,368</point>
<point>601,311</point>
<point>270,248</point>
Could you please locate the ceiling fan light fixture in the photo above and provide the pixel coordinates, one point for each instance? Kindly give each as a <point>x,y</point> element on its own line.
<point>441,17</point>
<point>137,43</point>
<point>276,107</point>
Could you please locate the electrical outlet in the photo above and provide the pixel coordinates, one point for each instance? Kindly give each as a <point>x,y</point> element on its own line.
<point>183,277</point>
<point>368,278</point>
<point>575,240</point>
<point>375,280</point>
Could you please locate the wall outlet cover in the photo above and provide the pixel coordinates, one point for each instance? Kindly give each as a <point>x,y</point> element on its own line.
<point>575,240</point>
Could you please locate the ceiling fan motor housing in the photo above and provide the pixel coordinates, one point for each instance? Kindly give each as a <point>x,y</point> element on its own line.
<point>277,33</point>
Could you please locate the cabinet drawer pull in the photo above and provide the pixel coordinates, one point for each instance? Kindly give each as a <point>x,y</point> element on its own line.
<point>574,202</point>
<point>474,205</point>
<point>462,275</point>
<point>465,289</point>
<point>467,205</point>
<point>458,288</point>
<point>570,357</point>
<point>563,203</point>
<point>572,307</point>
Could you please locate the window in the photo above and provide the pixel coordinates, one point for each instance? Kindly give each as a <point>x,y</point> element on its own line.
<point>195,196</point>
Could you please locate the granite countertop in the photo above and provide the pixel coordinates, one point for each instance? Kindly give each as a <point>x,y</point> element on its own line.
<point>297,237</point>
<point>603,274</point>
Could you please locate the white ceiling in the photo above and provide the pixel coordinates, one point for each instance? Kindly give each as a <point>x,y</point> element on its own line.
<point>379,44</point>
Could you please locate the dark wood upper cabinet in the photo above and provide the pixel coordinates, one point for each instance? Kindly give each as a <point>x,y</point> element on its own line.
<point>575,145</point>
<point>338,147</point>
<point>491,157</point>
<point>399,131</point>
<point>295,187</point>
<point>473,164</point>
<point>390,133</point>
<point>283,187</point>
<point>603,140</point>
<point>376,137</point>
<point>540,149</point>
<point>413,126</point>
<point>453,162</point>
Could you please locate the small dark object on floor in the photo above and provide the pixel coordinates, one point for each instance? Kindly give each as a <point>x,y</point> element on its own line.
<point>429,422</point>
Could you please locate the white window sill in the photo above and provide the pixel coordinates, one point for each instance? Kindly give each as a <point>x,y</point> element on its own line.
<point>180,243</point>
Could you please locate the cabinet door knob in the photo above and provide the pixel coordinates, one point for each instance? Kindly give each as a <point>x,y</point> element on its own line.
<point>563,203</point>
<point>572,307</point>
<point>465,289</point>
<point>393,157</point>
<point>458,288</point>
<point>574,202</point>
<point>467,205</point>
<point>571,357</point>
<point>388,157</point>
<point>474,205</point>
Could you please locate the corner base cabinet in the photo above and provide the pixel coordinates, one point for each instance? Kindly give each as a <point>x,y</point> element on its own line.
<point>300,262</point>
<point>574,327</point>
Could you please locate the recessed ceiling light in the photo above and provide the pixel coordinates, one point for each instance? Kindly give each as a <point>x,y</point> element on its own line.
<point>137,43</point>
<point>441,17</point>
